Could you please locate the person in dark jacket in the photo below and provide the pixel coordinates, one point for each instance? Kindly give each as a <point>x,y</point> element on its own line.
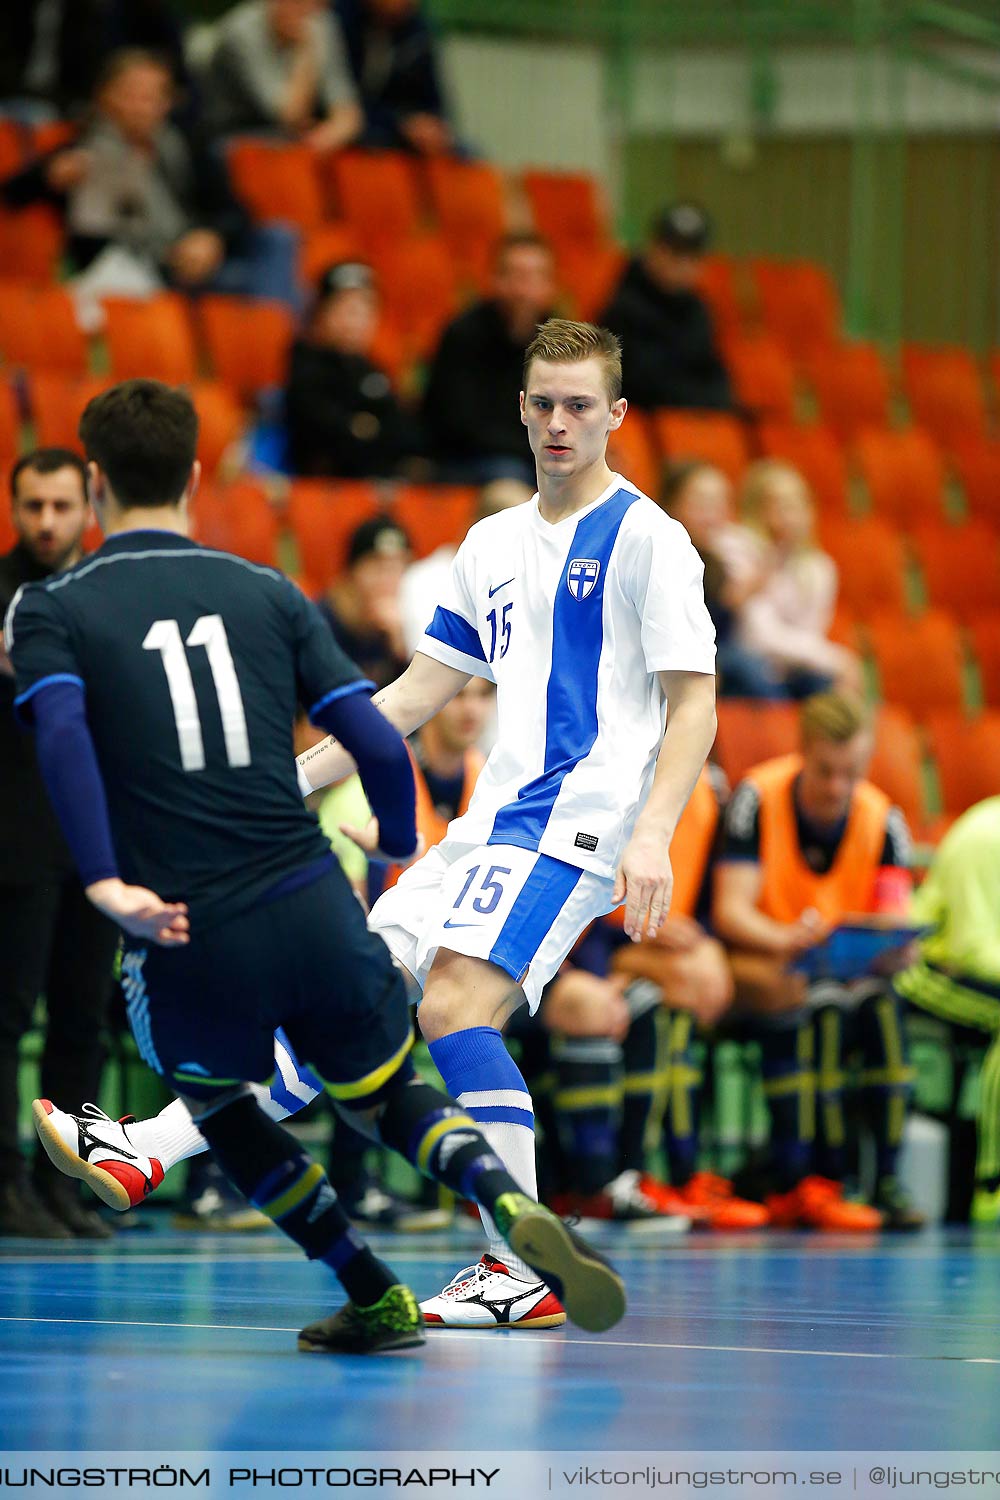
<point>390,48</point>
<point>52,940</point>
<point>470,406</point>
<point>362,607</point>
<point>342,414</point>
<point>670,353</point>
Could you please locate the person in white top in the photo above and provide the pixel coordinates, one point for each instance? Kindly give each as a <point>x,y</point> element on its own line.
<point>586,608</point>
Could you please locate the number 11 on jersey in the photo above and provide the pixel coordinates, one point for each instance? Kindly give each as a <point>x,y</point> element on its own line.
<point>208,631</point>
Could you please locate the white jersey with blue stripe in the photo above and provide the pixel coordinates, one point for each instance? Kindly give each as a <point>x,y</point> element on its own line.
<point>572,621</point>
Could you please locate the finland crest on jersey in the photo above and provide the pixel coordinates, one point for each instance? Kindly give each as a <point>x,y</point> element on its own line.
<point>582,575</point>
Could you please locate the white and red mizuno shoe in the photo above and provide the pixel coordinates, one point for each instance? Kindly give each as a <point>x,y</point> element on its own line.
<point>97,1150</point>
<point>487,1295</point>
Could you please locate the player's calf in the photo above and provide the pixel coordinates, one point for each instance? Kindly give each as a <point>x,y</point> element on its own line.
<point>440,1139</point>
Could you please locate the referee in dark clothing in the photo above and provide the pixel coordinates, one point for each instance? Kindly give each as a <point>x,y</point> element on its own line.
<point>52,941</point>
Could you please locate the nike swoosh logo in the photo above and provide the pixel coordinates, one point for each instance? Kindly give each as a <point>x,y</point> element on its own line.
<point>501,586</point>
<point>461,924</point>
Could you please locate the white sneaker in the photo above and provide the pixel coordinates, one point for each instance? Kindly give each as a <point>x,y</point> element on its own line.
<point>97,1150</point>
<point>487,1295</point>
<point>632,1205</point>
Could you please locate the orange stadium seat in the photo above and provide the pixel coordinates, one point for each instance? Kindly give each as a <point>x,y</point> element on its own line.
<point>961,566</point>
<point>871,563</point>
<point>53,134</point>
<point>38,328</point>
<point>469,202</point>
<point>718,286</point>
<point>716,438</point>
<point>247,341</point>
<point>633,453</point>
<point>977,464</point>
<point>15,141</point>
<point>967,755</point>
<point>57,401</point>
<point>434,515</point>
<point>10,420</point>
<point>993,365</point>
<point>31,243</point>
<point>590,277</point>
<point>904,475</point>
<point>919,661</point>
<point>798,304</point>
<point>151,338</point>
<point>417,281</point>
<point>897,764</point>
<point>818,455</point>
<point>984,634</point>
<point>762,377</point>
<point>376,192</point>
<point>277,181</point>
<point>851,383</point>
<point>751,731</point>
<point>237,519</point>
<point>220,420</point>
<point>945,391</point>
<point>323,514</point>
<point>567,208</point>
<point>324,247</point>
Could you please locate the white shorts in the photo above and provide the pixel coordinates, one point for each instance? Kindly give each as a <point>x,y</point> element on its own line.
<point>520,910</point>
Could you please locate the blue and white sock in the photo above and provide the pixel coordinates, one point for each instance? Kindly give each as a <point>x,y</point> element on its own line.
<point>480,1074</point>
<point>172,1136</point>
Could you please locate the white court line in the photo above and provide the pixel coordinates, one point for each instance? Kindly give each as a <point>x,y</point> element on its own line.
<point>475,1335</point>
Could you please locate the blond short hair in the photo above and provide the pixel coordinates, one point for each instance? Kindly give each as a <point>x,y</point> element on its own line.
<point>562,342</point>
<point>759,478</point>
<point>835,717</point>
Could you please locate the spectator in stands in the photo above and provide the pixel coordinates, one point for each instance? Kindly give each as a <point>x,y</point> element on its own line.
<point>145,207</point>
<point>280,66</point>
<point>390,47</point>
<point>51,939</point>
<point>700,497</point>
<point>362,608</point>
<point>786,620</point>
<point>471,403</point>
<point>957,973</point>
<point>52,51</point>
<point>670,353</point>
<point>806,843</point>
<point>425,582</point>
<point>342,413</point>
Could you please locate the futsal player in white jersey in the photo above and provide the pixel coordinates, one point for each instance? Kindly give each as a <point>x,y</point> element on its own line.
<point>585,606</point>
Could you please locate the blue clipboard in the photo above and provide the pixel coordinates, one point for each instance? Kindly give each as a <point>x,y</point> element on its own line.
<point>851,949</point>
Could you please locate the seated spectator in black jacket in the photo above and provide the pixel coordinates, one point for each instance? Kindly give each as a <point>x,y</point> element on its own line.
<point>670,353</point>
<point>390,48</point>
<point>470,406</point>
<point>342,414</point>
<point>363,607</point>
<point>135,185</point>
<point>280,65</point>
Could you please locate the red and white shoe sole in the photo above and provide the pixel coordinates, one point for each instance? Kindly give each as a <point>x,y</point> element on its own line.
<point>109,1188</point>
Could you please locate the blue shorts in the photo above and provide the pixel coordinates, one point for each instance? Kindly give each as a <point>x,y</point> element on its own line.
<point>204,1016</point>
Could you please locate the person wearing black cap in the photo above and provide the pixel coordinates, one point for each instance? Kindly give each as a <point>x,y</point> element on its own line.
<point>363,609</point>
<point>669,349</point>
<point>342,414</point>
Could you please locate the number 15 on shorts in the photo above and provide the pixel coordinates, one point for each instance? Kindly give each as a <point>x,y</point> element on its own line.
<point>490,889</point>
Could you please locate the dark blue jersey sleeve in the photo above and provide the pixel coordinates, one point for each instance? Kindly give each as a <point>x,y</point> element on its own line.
<point>37,639</point>
<point>324,671</point>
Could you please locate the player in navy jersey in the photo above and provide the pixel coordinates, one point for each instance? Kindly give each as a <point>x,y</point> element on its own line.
<point>162,680</point>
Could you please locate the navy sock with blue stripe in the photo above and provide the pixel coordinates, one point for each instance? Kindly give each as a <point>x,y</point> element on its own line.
<point>270,1168</point>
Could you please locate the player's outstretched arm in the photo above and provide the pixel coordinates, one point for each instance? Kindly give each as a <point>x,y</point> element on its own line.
<point>645,879</point>
<point>426,686</point>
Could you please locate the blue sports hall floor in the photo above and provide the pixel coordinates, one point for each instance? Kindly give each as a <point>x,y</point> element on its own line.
<point>776,1342</point>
